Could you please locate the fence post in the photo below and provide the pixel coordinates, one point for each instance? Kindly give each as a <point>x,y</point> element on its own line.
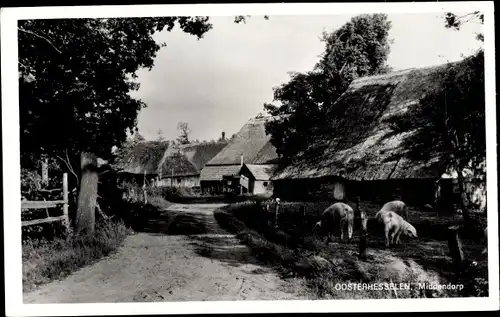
<point>66,221</point>
<point>145,194</point>
<point>363,243</point>
<point>276,213</point>
<point>455,246</point>
<point>363,237</point>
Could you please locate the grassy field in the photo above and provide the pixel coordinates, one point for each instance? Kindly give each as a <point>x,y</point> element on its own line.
<point>295,253</point>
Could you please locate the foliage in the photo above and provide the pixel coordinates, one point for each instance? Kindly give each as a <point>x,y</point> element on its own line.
<point>359,48</point>
<point>243,18</point>
<point>453,21</point>
<point>160,137</point>
<point>31,182</point>
<point>184,129</point>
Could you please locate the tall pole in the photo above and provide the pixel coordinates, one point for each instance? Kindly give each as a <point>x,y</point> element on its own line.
<point>66,222</point>
<point>144,188</point>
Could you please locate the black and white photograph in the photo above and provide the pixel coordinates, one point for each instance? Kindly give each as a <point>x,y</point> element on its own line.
<point>249,158</point>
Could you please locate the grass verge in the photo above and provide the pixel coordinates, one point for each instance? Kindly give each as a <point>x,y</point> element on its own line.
<point>45,261</point>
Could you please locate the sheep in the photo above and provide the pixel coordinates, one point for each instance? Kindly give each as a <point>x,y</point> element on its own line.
<point>396,206</point>
<point>395,225</point>
<point>338,213</point>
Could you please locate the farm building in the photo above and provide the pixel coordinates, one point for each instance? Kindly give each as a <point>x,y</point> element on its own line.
<point>251,145</point>
<point>181,165</point>
<point>360,155</point>
<point>256,179</point>
<point>140,162</point>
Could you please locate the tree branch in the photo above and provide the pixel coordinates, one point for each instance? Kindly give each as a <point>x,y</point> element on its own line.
<point>68,165</point>
<point>42,37</point>
<point>342,69</point>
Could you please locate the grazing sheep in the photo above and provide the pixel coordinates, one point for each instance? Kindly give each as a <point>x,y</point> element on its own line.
<point>395,225</point>
<point>396,206</point>
<point>339,214</point>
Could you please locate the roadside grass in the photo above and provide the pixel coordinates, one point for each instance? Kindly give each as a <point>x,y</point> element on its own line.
<point>47,260</point>
<point>293,252</point>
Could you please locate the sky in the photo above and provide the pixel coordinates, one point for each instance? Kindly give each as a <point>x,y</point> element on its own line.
<point>219,82</point>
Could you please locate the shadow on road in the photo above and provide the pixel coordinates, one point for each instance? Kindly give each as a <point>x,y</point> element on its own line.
<point>172,223</point>
<point>224,248</point>
<point>200,228</point>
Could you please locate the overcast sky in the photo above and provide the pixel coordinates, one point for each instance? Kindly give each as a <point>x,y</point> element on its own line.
<point>219,82</point>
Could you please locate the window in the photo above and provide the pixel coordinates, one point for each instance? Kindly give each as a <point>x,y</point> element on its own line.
<point>178,181</point>
<point>265,184</point>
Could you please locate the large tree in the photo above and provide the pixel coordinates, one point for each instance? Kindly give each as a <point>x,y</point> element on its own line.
<point>75,76</point>
<point>358,48</point>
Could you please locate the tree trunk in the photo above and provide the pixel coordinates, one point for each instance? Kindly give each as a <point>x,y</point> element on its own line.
<point>87,196</point>
<point>463,201</point>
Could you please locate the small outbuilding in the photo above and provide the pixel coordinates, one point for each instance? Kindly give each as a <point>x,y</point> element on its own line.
<point>255,179</point>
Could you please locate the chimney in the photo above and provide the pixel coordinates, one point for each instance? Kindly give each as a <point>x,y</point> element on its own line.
<point>241,159</point>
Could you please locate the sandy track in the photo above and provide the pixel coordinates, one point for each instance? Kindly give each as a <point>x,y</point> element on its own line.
<point>163,266</point>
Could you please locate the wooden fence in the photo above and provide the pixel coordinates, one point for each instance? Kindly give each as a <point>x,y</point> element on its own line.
<point>26,205</point>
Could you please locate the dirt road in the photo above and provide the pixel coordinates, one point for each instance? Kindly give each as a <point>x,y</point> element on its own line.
<point>166,262</point>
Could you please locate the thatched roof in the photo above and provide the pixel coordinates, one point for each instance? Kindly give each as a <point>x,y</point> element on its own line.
<point>252,142</point>
<point>216,172</point>
<point>187,160</point>
<point>143,157</point>
<point>261,172</point>
<point>359,144</point>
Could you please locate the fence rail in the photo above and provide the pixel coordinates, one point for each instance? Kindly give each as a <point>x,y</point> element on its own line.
<point>26,205</point>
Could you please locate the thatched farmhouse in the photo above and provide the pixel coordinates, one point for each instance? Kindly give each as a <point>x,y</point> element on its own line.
<point>140,162</point>
<point>360,155</point>
<point>181,165</point>
<point>250,146</point>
